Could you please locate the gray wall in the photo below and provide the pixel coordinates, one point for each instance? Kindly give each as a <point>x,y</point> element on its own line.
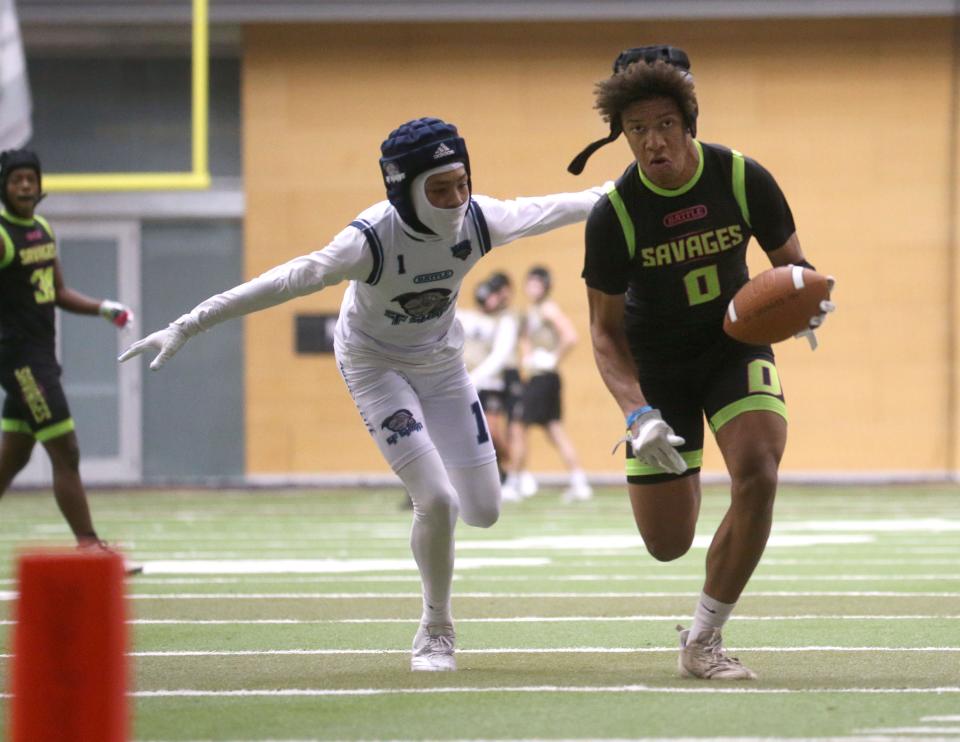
<point>128,114</point>
<point>124,114</point>
<point>193,422</point>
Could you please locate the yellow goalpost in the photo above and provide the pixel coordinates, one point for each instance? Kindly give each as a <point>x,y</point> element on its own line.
<point>198,177</point>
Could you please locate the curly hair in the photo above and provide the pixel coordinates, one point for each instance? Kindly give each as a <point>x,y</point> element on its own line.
<point>642,81</point>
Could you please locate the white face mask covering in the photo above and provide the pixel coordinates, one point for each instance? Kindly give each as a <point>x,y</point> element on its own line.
<point>445,223</point>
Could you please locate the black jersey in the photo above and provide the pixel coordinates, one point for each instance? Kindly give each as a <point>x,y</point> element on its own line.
<point>28,252</point>
<point>680,255</point>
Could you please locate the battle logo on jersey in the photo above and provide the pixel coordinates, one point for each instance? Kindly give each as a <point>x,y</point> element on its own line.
<point>401,423</point>
<point>462,250</point>
<point>420,306</point>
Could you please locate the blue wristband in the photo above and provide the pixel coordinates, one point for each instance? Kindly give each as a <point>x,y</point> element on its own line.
<point>637,414</point>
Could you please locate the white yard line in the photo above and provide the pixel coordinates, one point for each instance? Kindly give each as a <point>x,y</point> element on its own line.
<point>508,650</point>
<point>520,619</point>
<point>10,595</point>
<point>586,689</point>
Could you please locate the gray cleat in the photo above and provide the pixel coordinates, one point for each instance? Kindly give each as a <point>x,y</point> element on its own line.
<point>705,657</point>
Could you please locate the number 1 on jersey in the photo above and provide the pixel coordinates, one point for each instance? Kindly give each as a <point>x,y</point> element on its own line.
<point>401,268</point>
<point>482,435</point>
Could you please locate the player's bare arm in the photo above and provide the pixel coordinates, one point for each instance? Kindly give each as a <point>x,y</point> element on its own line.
<point>73,301</point>
<point>611,351</point>
<point>789,253</point>
<point>70,299</point>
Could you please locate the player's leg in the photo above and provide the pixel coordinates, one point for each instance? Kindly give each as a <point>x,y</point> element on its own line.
<point>542,406</point>
<point>462,437</point>
<point>391,409</point>
<point>752,445</point>
<point>15,450</point>
<point>493,409</point>
<point>666,506</point>
<point>747,413</point>
<point>17,442</point>
<point>64,452</point>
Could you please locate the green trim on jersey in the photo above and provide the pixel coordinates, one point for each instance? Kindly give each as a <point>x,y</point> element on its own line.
<point>55,431</point>
<point>9,250</point>
<point>19,221</point>
<point>636,468</point>
<point>45,224</point>
<point>740,185</point>
<point>682,189</point>
<point>9,425</point>
<point>753,403</point>
<point>626,223</point>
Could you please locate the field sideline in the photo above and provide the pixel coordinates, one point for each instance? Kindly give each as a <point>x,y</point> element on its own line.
<point>288,615</point>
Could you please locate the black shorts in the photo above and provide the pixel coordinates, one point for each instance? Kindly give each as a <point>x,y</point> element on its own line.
<point>492,402</point>
<point>513,394</point>
<point>541,399</point>
<point>722,383</point>
<point>35,403</point>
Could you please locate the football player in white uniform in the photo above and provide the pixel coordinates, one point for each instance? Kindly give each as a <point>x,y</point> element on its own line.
<point>397,343</point>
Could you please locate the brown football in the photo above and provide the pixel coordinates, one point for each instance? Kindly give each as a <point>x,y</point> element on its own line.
<point>775,305</point>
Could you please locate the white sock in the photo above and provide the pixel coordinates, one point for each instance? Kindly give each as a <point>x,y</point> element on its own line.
<point>435,510</point>
<point>710,614</point>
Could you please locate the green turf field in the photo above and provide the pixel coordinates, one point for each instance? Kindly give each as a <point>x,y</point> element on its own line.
<point>565,625</point>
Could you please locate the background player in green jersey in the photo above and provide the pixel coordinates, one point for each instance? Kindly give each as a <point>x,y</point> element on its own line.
<point>31,285</point>
<point>665,252</point>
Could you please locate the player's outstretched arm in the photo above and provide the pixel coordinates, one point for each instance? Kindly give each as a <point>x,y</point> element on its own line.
<point>343,259</point>
<point>527,216</point>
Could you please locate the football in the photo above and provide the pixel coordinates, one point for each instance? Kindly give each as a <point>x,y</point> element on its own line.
<point>775,305</point>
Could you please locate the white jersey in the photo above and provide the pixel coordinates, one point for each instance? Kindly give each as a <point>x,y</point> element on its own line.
<point>543,339</point>
<point>400,304</point>
<point>490,342</point>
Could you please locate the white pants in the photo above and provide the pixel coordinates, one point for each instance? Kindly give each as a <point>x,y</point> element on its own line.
<point>430,428</point>
<point>410,411</point>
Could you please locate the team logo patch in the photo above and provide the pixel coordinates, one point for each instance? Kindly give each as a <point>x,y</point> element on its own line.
<point>462,250</point>
<point>401,424</point>
<point>392,173</point>
<point>420,306</point>
<point>431,277</point>
<point>690,214</point>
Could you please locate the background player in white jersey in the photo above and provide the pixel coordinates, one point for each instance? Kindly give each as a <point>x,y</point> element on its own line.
<point>490,341</point>
<point>397,343</point>
<point>547,336</point>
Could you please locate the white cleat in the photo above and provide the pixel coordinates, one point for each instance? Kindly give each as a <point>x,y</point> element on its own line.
<point>578,493</point>
<point>508,493</point>
<point>705,658</point>
<point>528,485</point>
<point>433,648</point>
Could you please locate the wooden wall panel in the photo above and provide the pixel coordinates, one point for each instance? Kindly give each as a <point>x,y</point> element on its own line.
<point>855,132</point>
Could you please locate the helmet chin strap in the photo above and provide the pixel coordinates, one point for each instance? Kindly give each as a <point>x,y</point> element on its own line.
<point>445,223</point>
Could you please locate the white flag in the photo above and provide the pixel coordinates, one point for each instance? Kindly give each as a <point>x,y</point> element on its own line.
<point>15,103</point>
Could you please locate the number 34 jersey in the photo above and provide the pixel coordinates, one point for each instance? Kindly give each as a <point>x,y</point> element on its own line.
<point>28,254</point>
<point>680,255</point>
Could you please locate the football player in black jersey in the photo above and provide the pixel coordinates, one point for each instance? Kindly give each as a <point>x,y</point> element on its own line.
<point>31,285</point>
<point>665,253</point>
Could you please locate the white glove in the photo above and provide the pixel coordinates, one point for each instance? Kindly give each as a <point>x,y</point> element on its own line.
<point>540,359</point>
<point>168,341</point>
<point>654,443</point>
<point>817,320</point>
<point>116,313</point>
